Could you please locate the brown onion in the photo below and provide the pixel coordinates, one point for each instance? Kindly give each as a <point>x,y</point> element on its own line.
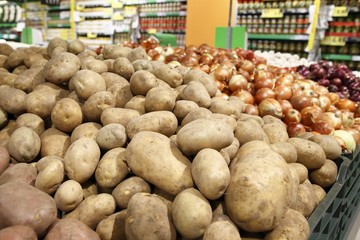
<point>322,127</point>
<point>220,85</point>
<point>245,74</point>
<point>248,66</point>
<point>295,129</point>
<point>271,107</point>
<point>283,92</point>
<point>310,115</point>
<point>332,119</point>
<point>333,97</point>
<point>355,133</point>
<point>264,83</point>
<point>222,74</point>
<point>251,109</point>
<point>321,90</point>
<point>284,81</point>
<point>285,105</point>
<point>261,67</point>
<point>237,82</point>
<point>300,102</point>
<point>345,104</point>
<point>244,95</point>
<point>347,119</point>
<point>292,115</point>
<point>264,93</point>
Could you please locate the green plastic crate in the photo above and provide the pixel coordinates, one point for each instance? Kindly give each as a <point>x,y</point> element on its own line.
<point>330,220</point>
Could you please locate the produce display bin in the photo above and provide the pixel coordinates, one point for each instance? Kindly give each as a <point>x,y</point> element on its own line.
<point>331,219</point>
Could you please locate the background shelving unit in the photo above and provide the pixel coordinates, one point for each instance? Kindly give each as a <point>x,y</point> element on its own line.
<point>59,21</point>
<point>10,18</point>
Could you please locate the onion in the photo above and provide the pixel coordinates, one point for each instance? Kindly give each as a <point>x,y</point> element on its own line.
<point>261,67</point>
<point>220,85</point>
<point>300,102</point>
<point>237,82</point>
<point>284,81</point>
<point>285,105</point>
<point>347,137</point>
<point>324,82</point>
<point>332,119</point>
<point>260,74</point>
<point>264,83</point>
<point>244,95</point>
<point>270,107</point>
<point>248,66</point>
<point>333,97</point>
<point>283,92</point>
<point>222,74</point>
<point>251,109</point>
<point>355,133</point>
<point>322,127</point>
<point>324,103</point>
<point>264,93</point>
<point>292,115</point>
<point>321,90</point>
<point>295,129</point>
<point>345,104</point>
<point>310,115</point>
<point>347,119</point>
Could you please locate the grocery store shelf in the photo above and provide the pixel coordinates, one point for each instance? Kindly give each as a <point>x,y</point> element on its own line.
<point>285,11</point>
<point>342,57</point>
<point>287,37</point>
<point>58,8</point>
<point>7,25</point>
<point>59,25</point>
<point>91,4</point>
<point>163,14</point>
<point>137,2</point>
<point>10,36</point>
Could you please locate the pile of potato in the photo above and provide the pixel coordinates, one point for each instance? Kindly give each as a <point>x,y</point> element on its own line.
<point>117,146</point>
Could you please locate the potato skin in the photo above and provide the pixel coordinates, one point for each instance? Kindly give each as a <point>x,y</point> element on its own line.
<point>329,144</point>
<point>191,213</point>
<point>204,78</point>
<point>163,122</point>
<point>210,173</point>
<point>221,230</point>
<point>20,172</point>
<point>160,99</point>
<point>286,150</point>
<point>150,153</point>
<point>250,130</point>
<point>54,143</point>
<point>196,92</point>
<point>81,159</point>
<point>172,76</point>
<point>118,115</point>
<point>4,159</point>
<point>142,81</point>
<point>18,232</point>
<point>93,209</point>
<point>24,144</point>
<point>61,67</point>
<point>96,104</point>
<point>128,188</point>
<point>147,215</point>
<point>66,115</point>
<point>136,103</point>
<point>123,67</point>
<point>32,121</point>
<point>68,196</point>
<point>87,82</point>
<point>12,100</point>
<point>76,46</point>
<point>254,203</point>
<point>113,227</point>
<point>309,153</point>
<point>88,129</point>
<point>50,174</point>
<point>111,136</point>
<point>33,207</point>
<point>70,229</point>
<point>306,199</point>
<point>122,93</point>
<point>183,107</point>
<point>326,175</point>
<point>204,133</point>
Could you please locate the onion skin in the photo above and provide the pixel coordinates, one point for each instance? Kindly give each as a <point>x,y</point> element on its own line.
<point>244,95</point>
<point>264,93</point>
<point>292,116</point>
<point>347,137</point>
<point>332,119</point>
<point>345,104</point>
<point>322,127</point>
<point>295,129</point>
<point>300,102</point>
<point>285,105</point>
<point>270,107</point>
<point>237,82</point>
<point>310,115</point>
<point>251,109</point>
<point>283,92</point>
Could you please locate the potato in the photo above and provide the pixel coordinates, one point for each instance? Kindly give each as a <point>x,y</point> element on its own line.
<point>123,67</point>
<point>293,226</point>
<point>18,232</point>
<point>5,49</point>
<point>66,115</point>
<point>326,175</point>
<point>6,132</point>
<point>110,64</point>
<point>3,118</point>
<point>128,188</point>
<point>70,229</point>
<point>76,46</point>
<point>163,122</point>
<point>24,144</point>
<point>221,230</point>
<point>166,197</point>
<point>156,64</point>
<point>136,103</point>
<point>142,64</point>
<point>122,93</point>
<point>16,57</point>
<point>204,133</point>
<point>229,120</point>
<point>20,172</point>
<point>150,153</point>
<point>54,143</point>
<point>309,153</point>
<point>40,103</point>
<point>50,174</point>
<point>30,78</point>
<point>115,51</point>
<point>210,173</point>
<point>54,43</point>
<point>148,218</point>
<point>81,159</point>
<point>96,104</point>
<point>4,160</point>
<point>172,76</point>
<point>112,78</point>
<point>87,82</point>
<point>229,152</point>
<point>89,188</point>
<point>329,144</point>
<point>95,65</point>
<point>183,107</point>
<point>191,213</point>
<point>32,121</point>
<point>88,129</point>
<point>118,115</point>
<point>56,51</point>
<point>249,117</point>
<point>302,171</point>
<point>142,81</point>
<point>320,193</point>
<point>19,70</point>
<point>137,53</point>
<point>68,195</point>
<point>306,199</point>
<point>61,68</point>
<point>113,227</point>
<point>286,150</point>
<point>34,208</point>
<point>33,59</point>
<point>195,114</point>
<point>247,131</point>
<point>204,78</point>
<point>58,91</point>
<point>112,168</point>
<point>12,100</point>
<point>3,60</point>
<point>276,132</point>
<point>160,99</point>
<point>197,93</point>
<point>111,136</point>
<point>93,209</point>
<point>254,203</point>
<point>7,78</point>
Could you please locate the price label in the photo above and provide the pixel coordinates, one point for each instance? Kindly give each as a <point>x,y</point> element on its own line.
<point>333,41</point>
<point>79,8</point>
<point>161,14</point>
<point>118,17</point>
<point>91,35</point>
<point>117,5</point>
<point>151,31</point>
<point>272,13</point>
<point>108,11</point>
<point>340,11</point>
